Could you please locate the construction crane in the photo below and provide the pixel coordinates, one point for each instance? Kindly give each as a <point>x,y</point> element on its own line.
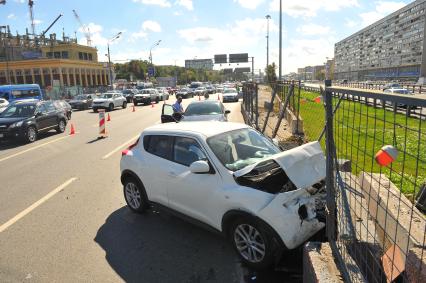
<point>30,5</point>
<point>44,32</point>
<point>85,28</point>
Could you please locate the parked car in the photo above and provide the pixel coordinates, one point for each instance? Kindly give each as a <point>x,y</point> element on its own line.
<point>63,106</point>
<point>200,91</point>
<point>185,93</point>
<point>163,93</point>
<point>27,118</point>
<point>392,85</point>
<point>129,93</point>
<point>109,101</point>
<point>233,179</point>
<point>205,110</point>
<point>82,101</point>
<point>402,91</point>
<point>3,104</point>
<point>146,96</point>
<point>230,94</point>
<point>210,89</point>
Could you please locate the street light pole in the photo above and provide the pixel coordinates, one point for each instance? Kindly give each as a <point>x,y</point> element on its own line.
<point>109,57</point>
<point>280,51</point>
<point>150,53</point>
<point>267,40</point>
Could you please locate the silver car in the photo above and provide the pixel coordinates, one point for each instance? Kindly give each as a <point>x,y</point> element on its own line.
<point>206,110</point>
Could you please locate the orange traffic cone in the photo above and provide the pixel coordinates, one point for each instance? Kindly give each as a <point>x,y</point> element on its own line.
<point>386,155</point>
<point>133,109</point>
<point>72,130</point>
<point>218,97</point>
<point>199,97</point>
<point>109,118</point>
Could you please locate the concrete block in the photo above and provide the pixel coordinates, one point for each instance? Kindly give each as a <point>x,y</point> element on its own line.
<point>319,265</point>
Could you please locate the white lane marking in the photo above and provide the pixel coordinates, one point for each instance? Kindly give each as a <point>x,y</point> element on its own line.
<point>120,147</point>
<point>32,148</point>
<point>35,205</point>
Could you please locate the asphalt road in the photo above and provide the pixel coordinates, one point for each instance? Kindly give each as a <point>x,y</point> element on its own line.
<point>63,217</point>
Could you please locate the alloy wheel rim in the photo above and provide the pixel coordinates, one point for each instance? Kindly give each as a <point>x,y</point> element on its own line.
<point>62,126</point>
<point>249,243</point>
<point>133,195</point>
<point>31,134</point>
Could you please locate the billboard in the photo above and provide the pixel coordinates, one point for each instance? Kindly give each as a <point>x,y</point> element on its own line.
<point>238,58</point>
<point>242,70</point>
<point>220,59</point>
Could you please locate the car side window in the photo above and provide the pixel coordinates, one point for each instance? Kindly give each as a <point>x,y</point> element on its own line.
<point>42,109</point>
<point>50,107</point>
<point>187,151</point>
<point>159,145</point>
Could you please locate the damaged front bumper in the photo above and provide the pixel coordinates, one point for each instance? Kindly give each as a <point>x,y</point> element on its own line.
<point>297,211</point>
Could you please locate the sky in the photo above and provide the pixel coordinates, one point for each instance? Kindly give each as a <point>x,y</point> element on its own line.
<point>200,29</point>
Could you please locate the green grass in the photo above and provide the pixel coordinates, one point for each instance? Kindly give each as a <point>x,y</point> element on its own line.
<point>361,130</point>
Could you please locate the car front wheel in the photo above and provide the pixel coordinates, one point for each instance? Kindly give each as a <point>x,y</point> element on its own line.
<point>135,195</point>
<point>31,134</point>
<point>252,243</point>
<point>61,126</point>
<point>124,104</point>
<point>111,107</point>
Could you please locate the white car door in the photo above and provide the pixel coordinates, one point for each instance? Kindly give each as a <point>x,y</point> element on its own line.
<point>117,100</point>
<point>189,193</point>
<point>154,167</point>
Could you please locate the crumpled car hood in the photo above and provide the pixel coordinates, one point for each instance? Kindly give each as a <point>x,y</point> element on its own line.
<point>304,165</point>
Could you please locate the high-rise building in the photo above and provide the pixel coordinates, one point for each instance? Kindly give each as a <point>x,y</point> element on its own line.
<point>389,49</point>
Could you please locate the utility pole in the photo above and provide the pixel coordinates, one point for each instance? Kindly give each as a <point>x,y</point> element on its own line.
<point>267,40</point>
<point>252,69</point>
<point>109,57</point>
<point>280,51</point>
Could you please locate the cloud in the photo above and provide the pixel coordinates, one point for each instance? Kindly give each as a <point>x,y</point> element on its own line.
<point>161,3</point>
<point>185,3</point>
<point>310,8</point>
<point>350,23</point>
<point>313,29</point>
<point>382,9</point>
<point>151,26</point>
<point>249,4</point>
<point>11,16</point>
<point>37,22</point>
<point>95,35</point>
<point>177,13</point>
<point>20,1</point>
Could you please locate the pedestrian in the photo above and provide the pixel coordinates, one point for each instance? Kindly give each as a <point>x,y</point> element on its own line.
<point>177,106</point>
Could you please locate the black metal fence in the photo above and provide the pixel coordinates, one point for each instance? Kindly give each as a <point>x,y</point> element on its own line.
<point>373,225</point>
<point>375,222</point>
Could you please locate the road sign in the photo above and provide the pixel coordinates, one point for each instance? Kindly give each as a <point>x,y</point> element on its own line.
<point>238,58</point>
<point>242,70</point>
<point>220,59</point>
<point>151,71</point>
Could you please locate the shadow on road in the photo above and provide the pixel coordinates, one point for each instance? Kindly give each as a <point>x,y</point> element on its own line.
<point>158,247</point>
<point>13,143</point>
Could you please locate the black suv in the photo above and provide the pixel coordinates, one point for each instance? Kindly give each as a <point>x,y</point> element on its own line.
<point>26,119</point>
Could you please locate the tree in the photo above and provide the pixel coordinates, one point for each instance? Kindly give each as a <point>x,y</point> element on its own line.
<point>270,73</point>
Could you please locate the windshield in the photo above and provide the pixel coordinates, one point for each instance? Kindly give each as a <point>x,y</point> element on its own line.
<point>203,109</point>
<point>240,148</point>
<point>80,97</point>
<point>402,91</point>
<point>18,110</point>
<point>107,95</point>
<point>230,91</point>
<point>127,91</point>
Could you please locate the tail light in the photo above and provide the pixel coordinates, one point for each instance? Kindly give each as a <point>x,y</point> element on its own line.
<point>128,151</point>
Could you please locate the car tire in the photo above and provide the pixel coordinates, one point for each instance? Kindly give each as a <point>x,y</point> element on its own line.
<point>31,134</point>
<point>252,242</point>
<point>124,104</point>
<point>135,103</point>
<point>135,195</point>
<point>61,126</point>
<point>110,107</point>
<point>95,110</point>
<point>157,100</point>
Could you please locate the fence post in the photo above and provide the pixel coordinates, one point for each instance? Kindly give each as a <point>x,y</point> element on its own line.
<point>256,106</point>
<point>282,112</point>
<point>329,181</point>
<point>274,93</point>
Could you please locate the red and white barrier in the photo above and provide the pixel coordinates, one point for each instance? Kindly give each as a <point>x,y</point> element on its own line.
<point>102,128</point>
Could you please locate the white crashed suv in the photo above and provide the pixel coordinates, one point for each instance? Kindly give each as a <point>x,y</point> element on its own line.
<point>233,179</point>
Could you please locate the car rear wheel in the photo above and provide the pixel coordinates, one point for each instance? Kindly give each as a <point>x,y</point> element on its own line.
<point>157,100</point>
<point>124,104</point>
<point>31,134</point>
<point>95,110</point>
<point>135,195</point>
<point>252,243</point>
<point>135,103</point>
<point>61,126</point>
<point>111,107</point>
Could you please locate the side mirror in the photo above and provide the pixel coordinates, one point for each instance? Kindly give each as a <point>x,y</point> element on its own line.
<point>199,167</point>
<point>227,112</point>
